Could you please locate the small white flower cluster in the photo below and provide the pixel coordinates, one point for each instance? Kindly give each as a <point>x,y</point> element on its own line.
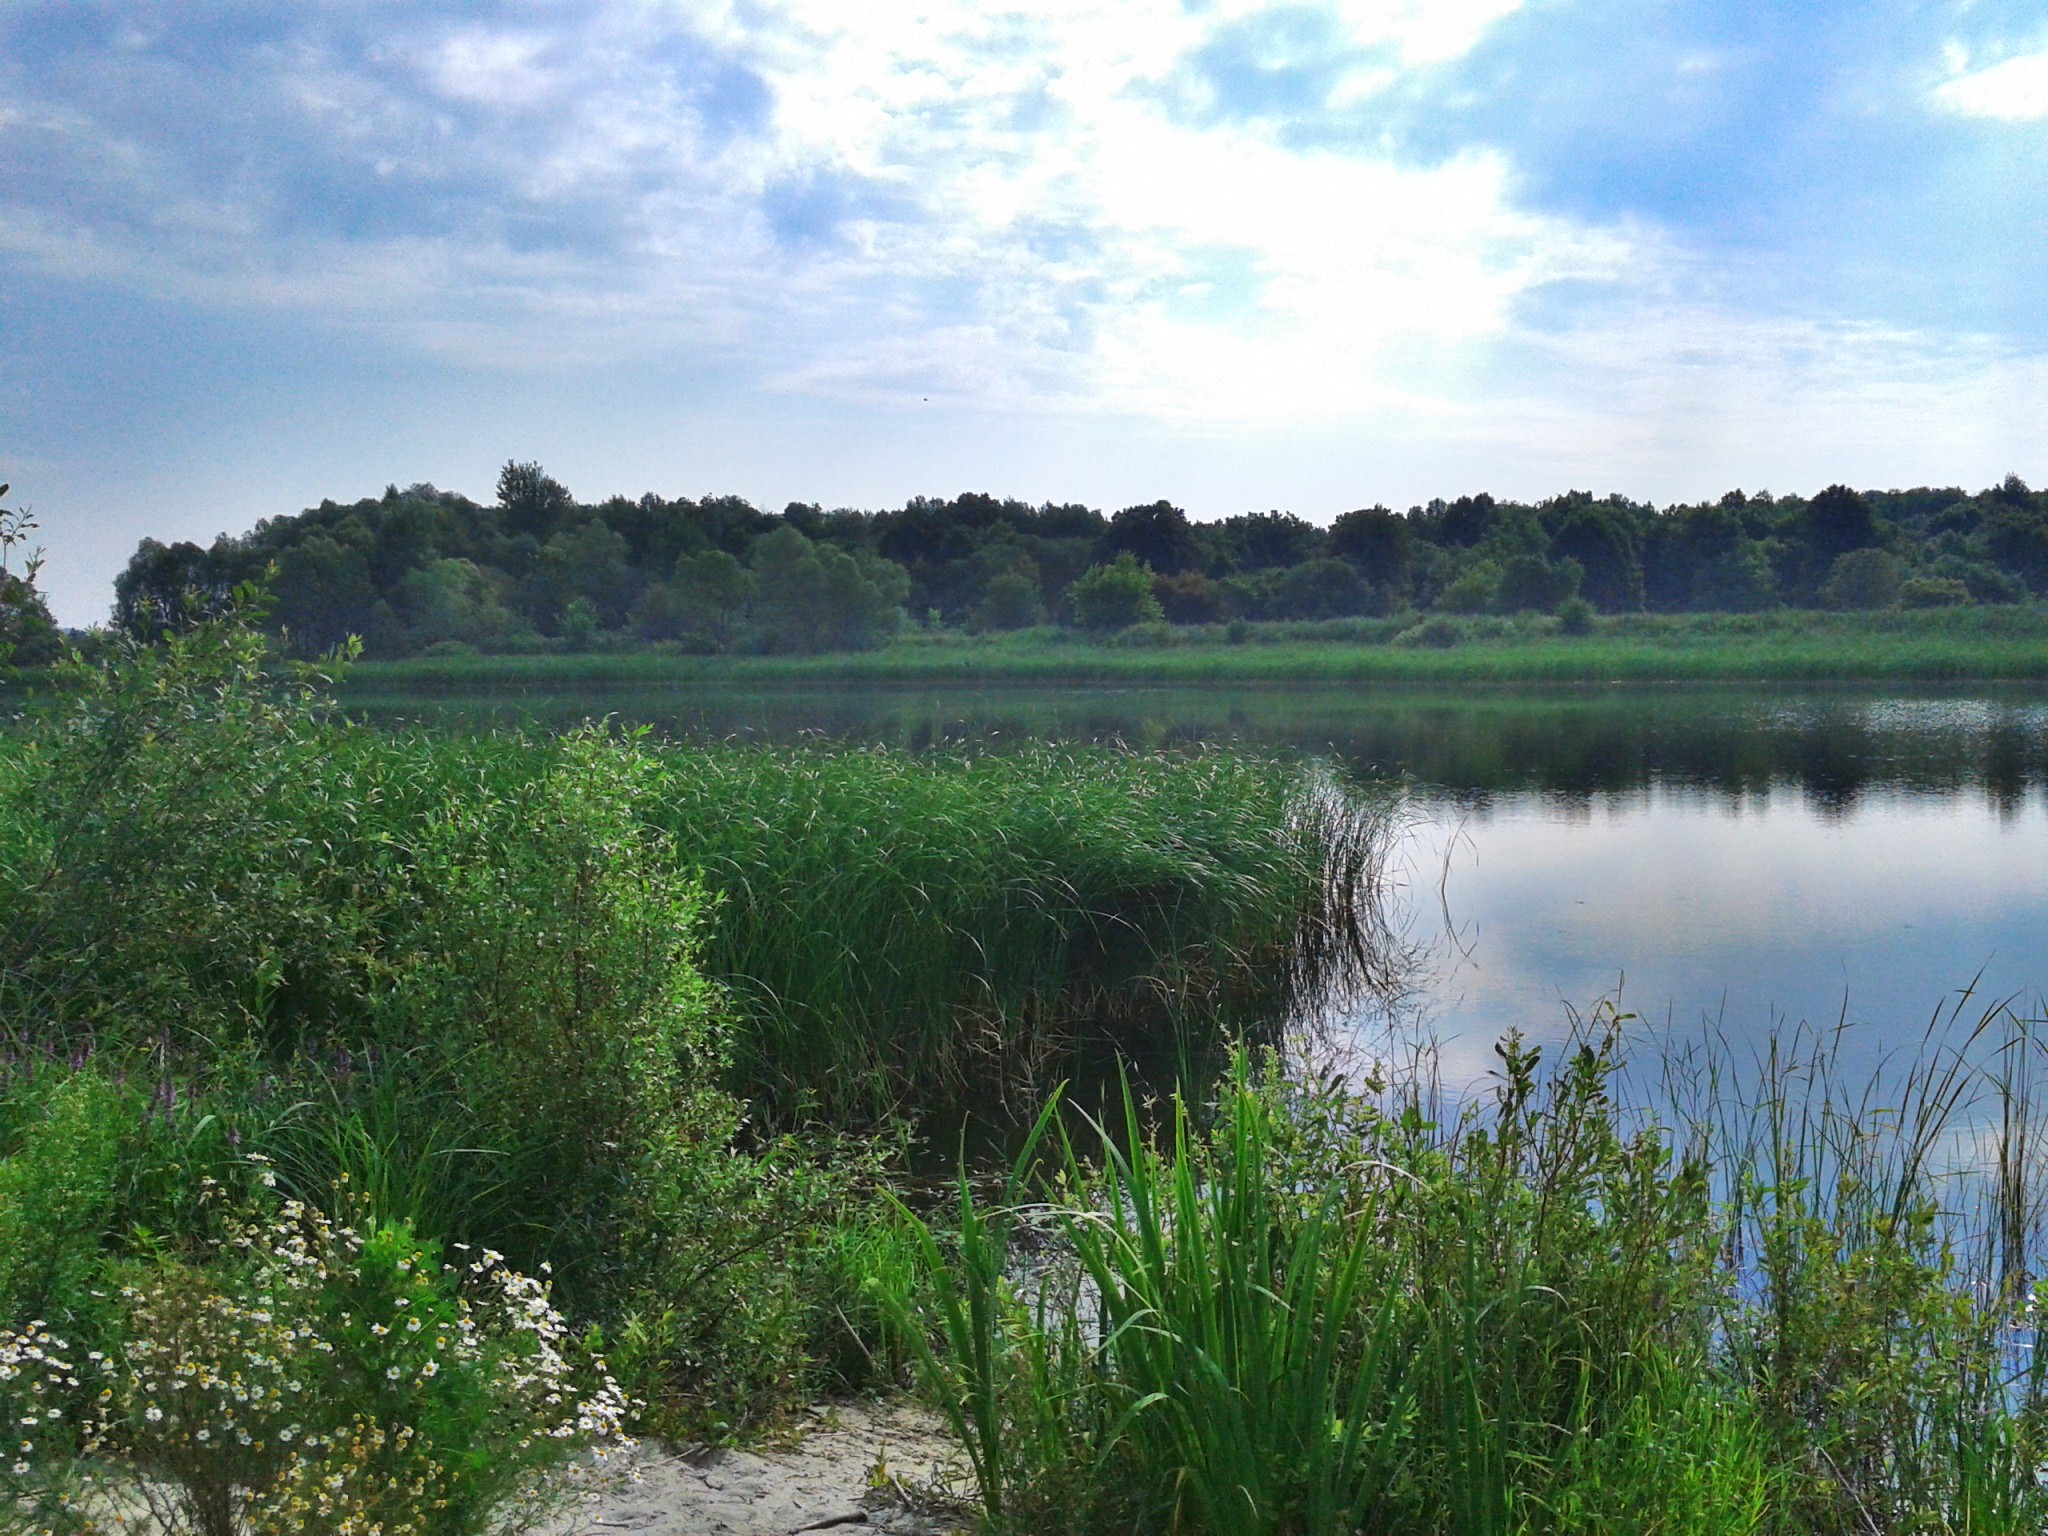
<point>37,1378</point>
<point>332,1376</point>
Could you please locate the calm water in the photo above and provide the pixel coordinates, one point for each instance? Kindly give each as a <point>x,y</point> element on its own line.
<point>1738,859</point>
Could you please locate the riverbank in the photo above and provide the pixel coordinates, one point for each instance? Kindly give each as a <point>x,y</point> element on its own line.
<point>1979,644</point>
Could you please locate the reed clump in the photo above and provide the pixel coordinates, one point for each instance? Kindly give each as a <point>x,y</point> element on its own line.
<point>1314,1310</point>
<point>906,931</point>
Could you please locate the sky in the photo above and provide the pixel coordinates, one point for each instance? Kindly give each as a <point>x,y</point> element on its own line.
<point>1241,255</point>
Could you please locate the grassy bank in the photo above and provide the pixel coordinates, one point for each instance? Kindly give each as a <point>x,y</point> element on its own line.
<point>2006,643</point>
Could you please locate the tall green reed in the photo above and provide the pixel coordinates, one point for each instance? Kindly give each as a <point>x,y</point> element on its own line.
<point>906,931</point>
<point>1783,1308</point>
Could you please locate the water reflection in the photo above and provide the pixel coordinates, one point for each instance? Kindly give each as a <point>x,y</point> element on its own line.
<point>1737,914</point>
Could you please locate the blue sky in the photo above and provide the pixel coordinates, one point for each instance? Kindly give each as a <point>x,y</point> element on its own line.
<point>1243,255</point>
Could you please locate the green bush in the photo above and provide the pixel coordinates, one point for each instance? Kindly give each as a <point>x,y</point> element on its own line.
<point>1437,632</point>
<point>460,974</point>
<point>1014,601</point>
<point>315,1376</point>
<point>1863,578</point>
<point>1932,592</point>
<point>1115,596</point>
<point>1575,616</point>
<point>1476,590</point>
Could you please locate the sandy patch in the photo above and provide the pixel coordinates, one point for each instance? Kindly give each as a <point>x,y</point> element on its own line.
<point>850,1472</point>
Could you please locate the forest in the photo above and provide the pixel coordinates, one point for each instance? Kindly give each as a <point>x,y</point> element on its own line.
<point>423,571</point>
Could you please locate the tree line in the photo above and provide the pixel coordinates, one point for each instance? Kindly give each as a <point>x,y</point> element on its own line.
<point>422,569</point>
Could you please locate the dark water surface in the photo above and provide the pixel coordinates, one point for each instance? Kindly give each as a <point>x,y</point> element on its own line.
<point>1740,858</point>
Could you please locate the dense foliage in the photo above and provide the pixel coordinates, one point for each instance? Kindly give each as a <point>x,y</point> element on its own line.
<point>421,569</point>
<point>458,987</point>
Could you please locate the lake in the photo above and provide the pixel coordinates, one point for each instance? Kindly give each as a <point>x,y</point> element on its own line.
<point>1707,858</point>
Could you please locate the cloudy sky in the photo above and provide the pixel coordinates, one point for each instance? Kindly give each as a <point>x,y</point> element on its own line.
<point>1243,255</point>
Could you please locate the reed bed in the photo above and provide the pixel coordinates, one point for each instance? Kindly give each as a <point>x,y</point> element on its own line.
<point>914,930</point>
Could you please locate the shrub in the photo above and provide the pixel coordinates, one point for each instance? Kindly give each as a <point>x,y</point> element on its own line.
<point>1013,601</point>
<point>1575,616</point>
<point>327,1377</point>
<point>1863,578</point>
<point>1115,596</point>
<point>57,1196</point>
<point>1932,592</point>
<point>1531,583</point>
<point>1438,631</point>
<point>1476,589</point>
<point>462,974</point>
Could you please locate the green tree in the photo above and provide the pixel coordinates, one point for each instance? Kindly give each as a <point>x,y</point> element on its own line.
<point>705,605</point>
<point>1378,542</point>
<point>1115,596</point>
<point>173,586</point>
<point>1863,578</point>
<point>1833,524</point>
<point>812,597</point>
<point>1014,600</point>
<point>1475,589</point>
<point>533,501</point>
<point>2017,539</point>
<point>1603,542</point>
<point>1736,578</point>
<point>588,562</point>
<point>1529,582</point>
<point>1322,589</point>
<point>1157,534</point>
<point>459,601</point>
<point>322,592</point>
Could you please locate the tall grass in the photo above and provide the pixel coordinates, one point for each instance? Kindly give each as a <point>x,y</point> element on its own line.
<point>907,930</point>
<point>1785,1306</point>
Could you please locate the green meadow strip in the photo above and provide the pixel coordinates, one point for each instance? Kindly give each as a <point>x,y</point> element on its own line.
<point>1952,645</point>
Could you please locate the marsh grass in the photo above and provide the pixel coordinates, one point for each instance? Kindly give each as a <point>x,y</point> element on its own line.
<point>1787,1303</point>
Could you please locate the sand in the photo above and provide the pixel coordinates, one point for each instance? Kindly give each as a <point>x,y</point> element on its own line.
<point>859,1467</point>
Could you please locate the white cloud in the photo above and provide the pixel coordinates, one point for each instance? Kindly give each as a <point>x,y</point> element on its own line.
<point>1004,127</point>
<point>2014,90</point>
